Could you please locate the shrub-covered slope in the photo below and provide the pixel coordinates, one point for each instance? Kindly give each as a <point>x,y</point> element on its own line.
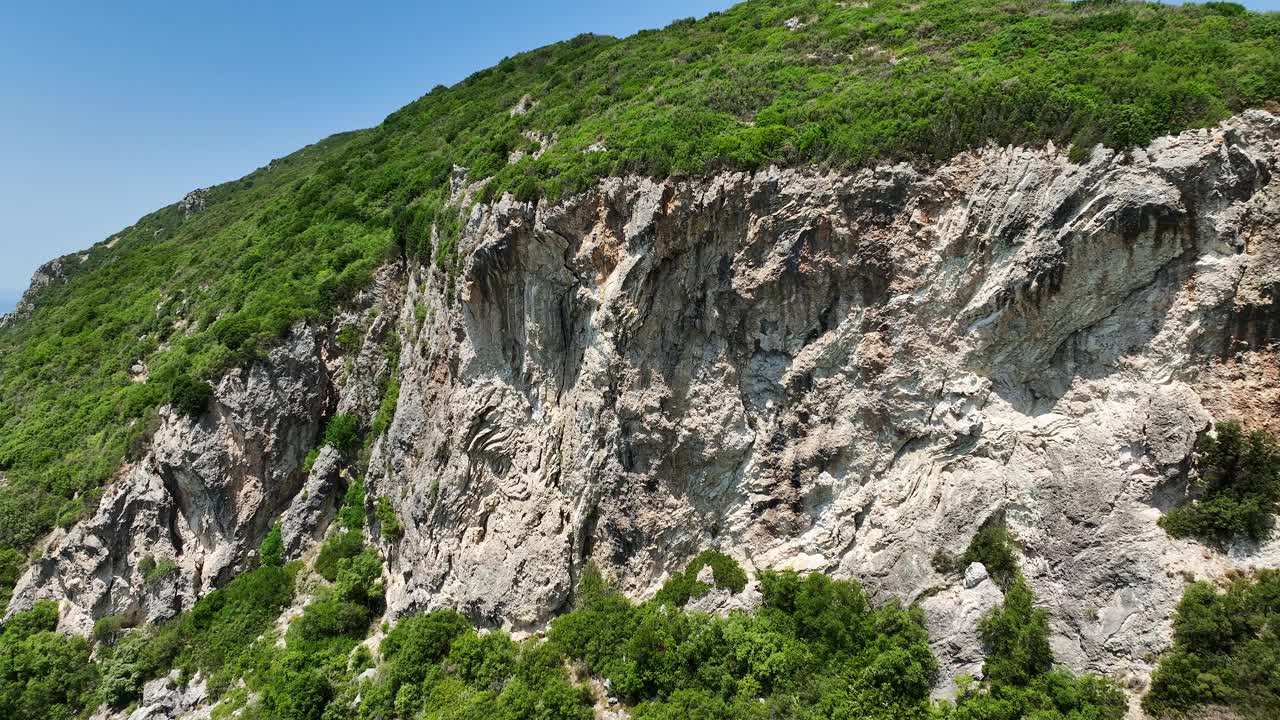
<point>833,83</point>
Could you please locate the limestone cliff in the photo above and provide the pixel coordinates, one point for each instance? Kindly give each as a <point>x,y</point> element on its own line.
<point>845,372</point>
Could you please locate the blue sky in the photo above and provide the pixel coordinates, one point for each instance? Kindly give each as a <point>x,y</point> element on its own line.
<point>111,110</point>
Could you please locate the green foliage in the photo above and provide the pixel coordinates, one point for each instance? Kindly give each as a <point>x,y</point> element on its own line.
<point>1017,638</point>
<point>337,547</point>
<point>1019,679</point>
<point>388,521</point>
<point>153,570</point>
<point>12,564</point>
<point>351,514</point>
<point>107,629</point>
<point>271,551</point>
<point>684,586</point>
<point>1239,488</point>
<point>387,409</point>
<point>995,548</point>
<point>1226,648</point>
<point>217,634</point>
<point>815,642</point>
<point>189,396</point>
<point>343,434</point>
<point>44,675</point>
<point>137,656</point>
<point>309,461</point>
<point>349,338</point>
<point>437,666</point>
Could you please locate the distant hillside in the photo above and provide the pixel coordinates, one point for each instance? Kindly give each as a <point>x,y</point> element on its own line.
<point>195,288</point>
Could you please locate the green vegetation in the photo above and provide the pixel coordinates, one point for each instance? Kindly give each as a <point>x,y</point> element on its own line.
<point>1226,651</point>
<point>271,551</point>
<point>684,586</point>
<point>996,549</point>
<point>342,433</point>
<point>388,521</point>
<point>153,570</point>
<point>44,675</point>
<point>815,649</point>
<point>1238,487</point>
<point>387,409</point>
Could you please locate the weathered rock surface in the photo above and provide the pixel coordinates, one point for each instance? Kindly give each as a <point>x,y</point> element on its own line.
<point>845,372</point>
<point>821,371</point>
<point>953,615</point>
<point>202,497</point>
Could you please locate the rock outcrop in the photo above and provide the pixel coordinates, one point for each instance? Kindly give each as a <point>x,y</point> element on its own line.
<point>846,372</point>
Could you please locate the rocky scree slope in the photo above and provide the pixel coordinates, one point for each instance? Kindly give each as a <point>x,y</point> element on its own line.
<point>846,372</point>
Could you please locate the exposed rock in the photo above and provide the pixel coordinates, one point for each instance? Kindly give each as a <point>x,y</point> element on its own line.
<point>844,372</point>
<point>525,105</point>
<point>203,497</point>
<point>194,202</point>
<point>166,699</point>
<point>47,274</point>
<point>953,616</point>
<point>314,507</point>
<point>975,574</point>
<point>838,372</point>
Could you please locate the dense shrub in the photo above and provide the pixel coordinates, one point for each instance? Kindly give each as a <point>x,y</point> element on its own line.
<point>388,521</point>
<point>221,627</point>
<point>44,675</point>
<point>337,547</point>
<point>1226,651</point>
<point>995,548</point>
<point>1238,485</point>
<point>343,434</point>
<point>271,551</point>
<point>684,586</point>
<point>815,642</point>
<point>189,396</point>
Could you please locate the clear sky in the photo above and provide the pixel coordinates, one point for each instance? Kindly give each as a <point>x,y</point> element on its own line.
<point>109,110</point>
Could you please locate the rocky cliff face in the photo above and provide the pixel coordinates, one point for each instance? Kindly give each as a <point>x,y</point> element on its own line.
<point>842,372</point>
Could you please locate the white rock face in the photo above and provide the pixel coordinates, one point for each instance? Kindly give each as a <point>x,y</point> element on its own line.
<point>843,373</point>
<point>208,490</point>
<point>818,371</point>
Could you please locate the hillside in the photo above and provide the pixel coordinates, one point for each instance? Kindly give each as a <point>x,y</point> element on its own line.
<point>828,286</point>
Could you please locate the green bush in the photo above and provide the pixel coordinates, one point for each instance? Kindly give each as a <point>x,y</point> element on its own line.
<point>271,551</point>
<point>339,546</point>
<point>44,675</point>
<point>388,521</point>
<point>153,570</point>
<point>12,564</point>
<point>343,434</point>
<point>1226,648</point>
<point>189,396</point>
<point>351,514</point>
<point>1238,484</point>
<point>685,586</point>
<point>995,548</point>
<point>1017,638</point>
